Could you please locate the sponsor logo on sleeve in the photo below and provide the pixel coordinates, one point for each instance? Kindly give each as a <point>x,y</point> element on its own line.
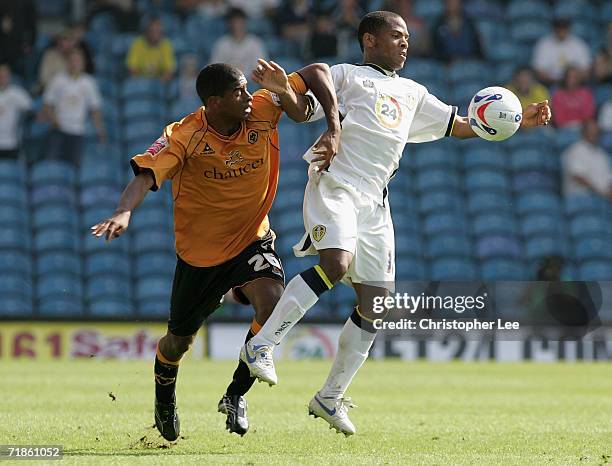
<point>159,145</point>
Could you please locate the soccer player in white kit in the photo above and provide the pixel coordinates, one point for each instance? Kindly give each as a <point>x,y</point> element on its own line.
<point>346,214</point>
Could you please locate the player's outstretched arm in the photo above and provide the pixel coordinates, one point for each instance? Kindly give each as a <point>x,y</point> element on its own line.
<point>133,194</point>
<point>536,114</point>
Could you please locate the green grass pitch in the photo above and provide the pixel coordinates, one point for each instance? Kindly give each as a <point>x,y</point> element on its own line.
<point>409,413</point>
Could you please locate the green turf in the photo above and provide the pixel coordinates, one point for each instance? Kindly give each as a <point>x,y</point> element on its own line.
<point>408,413</point>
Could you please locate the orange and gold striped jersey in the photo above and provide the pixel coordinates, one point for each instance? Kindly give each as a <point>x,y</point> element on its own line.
<point>223,187</point>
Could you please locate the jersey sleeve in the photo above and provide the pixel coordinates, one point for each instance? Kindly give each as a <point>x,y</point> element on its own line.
<point>338,73</point>
<point>266,104</point>
<point>164,158</point>
<point>433,119</point>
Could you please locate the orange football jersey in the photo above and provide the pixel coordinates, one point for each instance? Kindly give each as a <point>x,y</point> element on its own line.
<point>223,187</point>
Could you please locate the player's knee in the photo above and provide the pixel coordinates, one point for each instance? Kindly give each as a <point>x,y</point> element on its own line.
<point>175,346</point>
<point>335,267</point>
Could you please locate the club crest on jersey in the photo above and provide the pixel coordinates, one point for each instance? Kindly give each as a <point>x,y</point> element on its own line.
<point>318,232</point>
<point>159,145</point>
<point>388,111</point>
<point>253,136</point>
<point>234,157</point>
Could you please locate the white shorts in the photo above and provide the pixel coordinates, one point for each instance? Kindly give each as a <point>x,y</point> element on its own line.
<point>337,215</point>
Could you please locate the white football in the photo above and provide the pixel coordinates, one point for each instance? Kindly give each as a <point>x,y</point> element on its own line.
<point>495,113</point>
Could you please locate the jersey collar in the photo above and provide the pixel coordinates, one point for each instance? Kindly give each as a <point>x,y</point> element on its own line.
<point>391,74</point>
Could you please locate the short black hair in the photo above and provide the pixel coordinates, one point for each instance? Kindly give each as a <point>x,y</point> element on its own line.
<point>373,23</point>
<point>235,13</point>
<point>217,79</point>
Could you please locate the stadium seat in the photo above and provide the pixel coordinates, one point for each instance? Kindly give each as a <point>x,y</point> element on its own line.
<point>409,269</point>
<point>605,12</point>
<point>529,31</point>
<point>91,195</point>
<point>538,247</point>
<point>60,306</point>
<point>12,171</point>
<point>428,157</point>
<point>288,221</point>
<point>462,71</point>
<point>486,180</point>
<point>498,270</point>
<point>154,308</point>
<point>408,245</point>
<point>494,223</point>
<point>156,263</point>
<point>597,270</point>
<point>48,194</point>
<point>532,159</point>
<point>16,306</point>
<point>498,246</point>
<point>578,205</point>
<point>158,286</point>
<point>143,108</point>
<point>540,224</point>
<point>147,130</point>
<point>437,223</point>
<point>106,286</point>
<point>55,239</point>
<point>116,306</point>
<point>155,217</point>
<point>92,244</point>
<point>13,193</point>
<point>96,171</point>
<point>448,245</point>
<point>55,215</point>
<point>429,9</point>
<point>593,249</point>
<point>423,70</point>
<point>108,263</point>
<point>58,284</point>
<point>574,9</point>
<point>527,9</point>
<point>133,88</point>
<point>14,238</point>
<point>13,215</point>
<point>52,172</point>
<point>589,224</point>
<point>535,181</point>
<point>14,285</point>
<point>439,202</point>
<point>482,202</point>
<point>15,262</point>
<point>437,180</point>
<point>485,158</point>
<point>538,202</point>
<point>565,137</point>
<point>151,241</point>
<point>58,262</point>
<point>453,269</point>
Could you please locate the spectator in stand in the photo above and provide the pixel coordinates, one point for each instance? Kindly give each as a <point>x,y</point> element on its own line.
<point>292,19</point>
<point>454,35</point>
<point>238,48</point>
<point>586,168</point>
<point>14,102</point>
<point>602,67</point>
<point>151,54</point>
<point>323,40</point>
<point>188,74</point>
<point>555,52</point>
<point>420,36</point>
<point>55,59</point>
<point>17,32</point>
<point>78,31</point>
<point>526,88</point>
<point>67,101</point>
<point>572,103</point>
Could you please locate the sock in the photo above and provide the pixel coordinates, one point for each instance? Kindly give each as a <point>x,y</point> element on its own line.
<point>165,378</point>
<point>242,380</point>
<point>301,294</point>
<point>354,344</point>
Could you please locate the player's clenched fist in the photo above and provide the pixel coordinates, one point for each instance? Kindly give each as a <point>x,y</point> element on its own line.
<point>325,149</point>
<point>113,227</point>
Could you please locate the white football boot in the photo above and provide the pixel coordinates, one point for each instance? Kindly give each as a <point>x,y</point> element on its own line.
<point>334,411</point>
<point>258,358</point>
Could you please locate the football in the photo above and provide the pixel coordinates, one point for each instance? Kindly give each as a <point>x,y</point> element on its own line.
<point>495,113</point>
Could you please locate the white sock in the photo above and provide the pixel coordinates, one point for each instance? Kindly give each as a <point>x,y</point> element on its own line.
<point>353,347</point>
<point>297,298</point>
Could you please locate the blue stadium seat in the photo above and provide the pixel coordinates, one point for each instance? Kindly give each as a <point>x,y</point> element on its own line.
<point>482,202</point>
<point>61,306</point>
<point>290,220</point>
<point>55,239</point>
<point>13,215</point>
<point>536,138</point>
<point>429,9</point>
<point>109,285</point>
<point>542,224</point>
<point>408,245</point>
<point>141,88</point>
<point>58,284</point>
<point>99,170</point>
<point>143,108</point>
<point>564,137</point>
<point>574,9</point>
<point>577,205</point>
<point>605,12</point>
<point>439,202</point>
<point>504,51</point>
<point>593,249</point>
<point>409,268</point>
<point>405,219</point>
<point>154,308</point>
<point>48,194</point>
<point>536,181</point>
<point>293,176</point>
<point>462,71</point>
<point>462,93</point>
<point>528,159</point>
<point>494,223</point>
<point>14,285</point>
<point>58,262</point>
<point>92,194</point>
<point>427,157</point>
<point>423,70</point>
<point>538,247</point>
<point>16,306</point>
<point>151,241</point>
<point>485,157</point>
<point>529,31</point>
<point>498,270</point>
<point>14,238</point>
<point>92,244</point>
<point>12,171</point>
<point>95,214</point>
<point>108,263</point>
<point>58,215</point>
<point>486,180</point>
<point>437,223</point>
<point>13,193</point>
<point>498,246</point>
<point>116,306</point>
<point>448,245</point>
<point>453,269</point>
<point>538,202</point>
<point>158,286</point>
<point>143,130</point>
<point>589,224</point>
<point>597,270</point>
<point>156,263</point>
<point>151,217</point>
<point>437,180</point>
<point>15,263</point>
<point>527,9</point>
<point>53,172</point>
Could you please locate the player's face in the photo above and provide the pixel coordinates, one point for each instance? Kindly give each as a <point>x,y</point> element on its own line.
<point>391,46</point>
<point>237,102</point>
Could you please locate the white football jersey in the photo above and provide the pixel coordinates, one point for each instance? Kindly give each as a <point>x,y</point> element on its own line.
<point>380,112</point>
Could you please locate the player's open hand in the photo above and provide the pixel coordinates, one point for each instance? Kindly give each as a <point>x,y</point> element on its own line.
<point>325,149</point>
<point>113,227</point>
<point>536,114</point>
<point>271,76</point>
